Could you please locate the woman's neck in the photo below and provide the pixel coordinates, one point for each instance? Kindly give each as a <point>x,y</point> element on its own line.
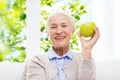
<point>61,50</point>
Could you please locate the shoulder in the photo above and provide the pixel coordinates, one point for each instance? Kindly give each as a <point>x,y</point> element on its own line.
<point>39,59</point>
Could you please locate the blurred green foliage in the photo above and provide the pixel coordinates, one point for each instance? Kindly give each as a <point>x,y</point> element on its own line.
<point>12,25</point>
<point>73,7</point>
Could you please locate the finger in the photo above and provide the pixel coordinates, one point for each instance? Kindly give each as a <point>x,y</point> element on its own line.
<point>97,33</point>
<point>96,36</point>
<point>80,36</point>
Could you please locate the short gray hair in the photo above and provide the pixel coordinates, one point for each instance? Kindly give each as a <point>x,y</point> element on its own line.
<point>62,13</point>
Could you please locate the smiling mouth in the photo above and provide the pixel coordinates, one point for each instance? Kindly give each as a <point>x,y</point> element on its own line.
<point>60,38</point>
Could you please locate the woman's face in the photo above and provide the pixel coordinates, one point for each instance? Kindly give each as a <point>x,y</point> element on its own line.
<point>60,30</point>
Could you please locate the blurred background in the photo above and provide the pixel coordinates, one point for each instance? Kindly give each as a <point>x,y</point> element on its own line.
<point>20,35</point>
<point>12,30</point>
<point>23,33</point>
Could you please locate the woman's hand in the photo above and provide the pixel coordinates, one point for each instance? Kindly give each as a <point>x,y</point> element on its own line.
<point>87,45</point>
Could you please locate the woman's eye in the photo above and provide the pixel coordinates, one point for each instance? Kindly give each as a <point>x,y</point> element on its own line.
<point>64,26</point>
<point>53,27</point>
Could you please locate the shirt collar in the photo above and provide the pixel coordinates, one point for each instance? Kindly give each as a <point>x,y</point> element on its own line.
<point>52,54</point>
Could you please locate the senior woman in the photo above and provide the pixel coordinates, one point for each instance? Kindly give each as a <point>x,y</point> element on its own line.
<point>61,63</point>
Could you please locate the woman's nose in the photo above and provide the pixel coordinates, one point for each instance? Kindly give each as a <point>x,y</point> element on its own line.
<point>59,30</point>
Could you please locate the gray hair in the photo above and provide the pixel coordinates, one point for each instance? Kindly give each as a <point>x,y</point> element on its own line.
<point>62,13</point>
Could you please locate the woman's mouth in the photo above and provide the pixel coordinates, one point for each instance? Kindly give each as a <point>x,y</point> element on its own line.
<point>60,37</point>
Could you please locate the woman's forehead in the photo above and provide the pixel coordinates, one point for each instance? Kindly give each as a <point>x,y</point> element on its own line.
<point>59,17</point>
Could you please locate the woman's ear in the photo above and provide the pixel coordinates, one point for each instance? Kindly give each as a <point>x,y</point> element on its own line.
<point>47,30</point>
<point>73,30</point>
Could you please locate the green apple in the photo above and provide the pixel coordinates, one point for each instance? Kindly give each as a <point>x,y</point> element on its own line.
<point>87,29</point>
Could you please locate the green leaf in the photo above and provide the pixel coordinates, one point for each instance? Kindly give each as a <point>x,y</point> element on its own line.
<point>83,12</point>
<point>42,28</point>
<point>82,7</point>
<point>23,55</point>
<point>64,7</point>
<point>23,16</point>
<point>1,57</point>
<point>77,17</point>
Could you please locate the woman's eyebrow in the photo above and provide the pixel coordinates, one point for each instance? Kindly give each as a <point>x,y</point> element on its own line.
<point>53,24</point>
<point>64,23</point>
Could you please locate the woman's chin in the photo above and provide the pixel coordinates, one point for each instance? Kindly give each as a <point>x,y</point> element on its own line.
<point>60,46</point>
